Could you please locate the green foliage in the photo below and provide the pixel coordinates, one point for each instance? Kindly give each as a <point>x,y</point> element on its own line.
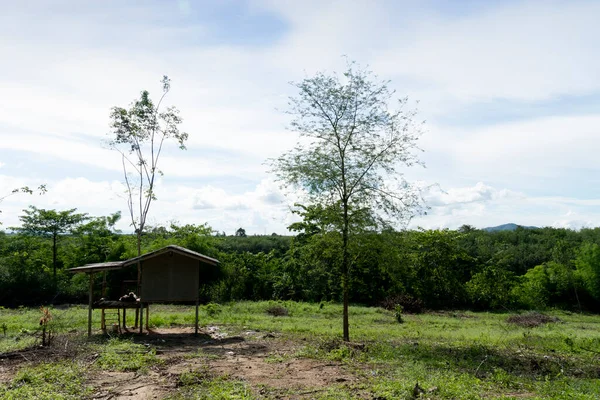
<point>440,268</point>
<point>212,309</point>
<point>468,268</point>
<point>588,268</point>
<point>491,288</point>
<point>544,285</point>
<point>50,223</point>
<point>398,313</point>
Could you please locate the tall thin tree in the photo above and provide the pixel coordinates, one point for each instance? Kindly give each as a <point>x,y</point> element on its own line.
<point>348,159</point>
<point>138,134</point>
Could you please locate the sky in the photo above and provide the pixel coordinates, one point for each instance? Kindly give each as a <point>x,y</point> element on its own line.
<point>509,90</point>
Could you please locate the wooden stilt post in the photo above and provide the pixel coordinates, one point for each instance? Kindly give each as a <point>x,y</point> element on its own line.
<point>197,304</point>
<point>141,316</point>
<point>124,317</point>
<point>197,296</point>
<point>147,314</point>
<point>91,300</point>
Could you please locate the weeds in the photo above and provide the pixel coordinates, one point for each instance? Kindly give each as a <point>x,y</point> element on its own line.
<point>47,381</point>
<point>47,331</point>
<point>212,309</point>
<point>398,313</point>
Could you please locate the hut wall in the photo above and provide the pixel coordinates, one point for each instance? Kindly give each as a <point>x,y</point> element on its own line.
<point>170,277</point>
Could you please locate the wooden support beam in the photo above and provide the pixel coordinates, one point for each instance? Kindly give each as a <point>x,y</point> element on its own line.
<point>90,303</point>
<point>147,314</point>
<point>141,316</point>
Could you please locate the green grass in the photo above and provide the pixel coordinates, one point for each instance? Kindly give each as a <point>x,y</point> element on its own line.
<point>124,355</point>
<point>462,355</point>
<point>46,381</point>
<point>201,384</point>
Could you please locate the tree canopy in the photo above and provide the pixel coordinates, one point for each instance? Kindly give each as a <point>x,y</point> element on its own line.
<point>50,223</point>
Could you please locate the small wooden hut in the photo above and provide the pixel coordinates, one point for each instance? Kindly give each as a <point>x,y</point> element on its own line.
<point>168,275</point>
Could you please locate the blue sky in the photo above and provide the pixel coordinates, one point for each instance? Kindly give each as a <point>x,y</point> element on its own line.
<point>510,91</point>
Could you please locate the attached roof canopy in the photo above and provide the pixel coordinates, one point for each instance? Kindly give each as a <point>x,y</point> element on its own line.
<point>112,265</point>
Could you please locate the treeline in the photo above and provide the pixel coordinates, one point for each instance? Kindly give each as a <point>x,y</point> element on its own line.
<point>435,269</point>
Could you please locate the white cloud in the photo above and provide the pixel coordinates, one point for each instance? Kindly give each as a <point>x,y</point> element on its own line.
<point>520,50</point>
<point>483,206</point>
<point>436,197</point>
<point>65,65</point>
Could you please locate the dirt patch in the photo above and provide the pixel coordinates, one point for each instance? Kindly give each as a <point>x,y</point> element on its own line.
<point>532,319</point>
<point>129,385</point>
<point>261,360</point>
<point>265,361</point>
<point>295,374</point>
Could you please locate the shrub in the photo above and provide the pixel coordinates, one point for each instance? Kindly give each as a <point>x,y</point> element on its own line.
<point>398,313</point>
<point>277,311</point>
<point>409,304</point>
<point>212,309</point>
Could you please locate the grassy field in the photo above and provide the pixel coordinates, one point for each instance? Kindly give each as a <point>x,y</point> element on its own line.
<point>452,355</point>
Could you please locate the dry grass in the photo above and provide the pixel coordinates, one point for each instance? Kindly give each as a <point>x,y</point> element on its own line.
<point>532,319</point>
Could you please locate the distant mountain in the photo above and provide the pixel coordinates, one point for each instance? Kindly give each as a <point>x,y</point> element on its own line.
<point>507,227</point>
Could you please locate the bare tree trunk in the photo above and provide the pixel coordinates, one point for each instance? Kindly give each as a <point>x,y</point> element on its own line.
<point>139,253</point>
<point>345,274</point>
<point>139,278</point>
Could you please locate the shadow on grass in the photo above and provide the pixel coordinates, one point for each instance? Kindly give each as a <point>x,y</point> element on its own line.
<point>164,341</point>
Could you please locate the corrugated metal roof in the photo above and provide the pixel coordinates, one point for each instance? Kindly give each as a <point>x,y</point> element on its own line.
<point>99,266</point>
<point>175,249</point>
<point>105,266</point>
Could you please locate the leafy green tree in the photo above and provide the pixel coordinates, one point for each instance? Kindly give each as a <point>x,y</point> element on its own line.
<point>440,267</point>
<point>491,288</point>
<point>24,267</point>
<point>138,134</point>
<point>50,223</point>
<point>548,284</point>
<point>96,241</point>
<point>241,232</point>
<point>588,268</point>
<point>352,146</point>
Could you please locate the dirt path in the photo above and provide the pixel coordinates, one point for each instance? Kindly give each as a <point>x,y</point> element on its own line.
<point>263,361</point>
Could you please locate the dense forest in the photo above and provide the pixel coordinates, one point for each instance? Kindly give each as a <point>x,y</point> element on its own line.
<point>433,269</point>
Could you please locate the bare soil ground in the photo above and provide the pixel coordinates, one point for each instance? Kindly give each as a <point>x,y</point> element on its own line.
<point>262,360</point>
